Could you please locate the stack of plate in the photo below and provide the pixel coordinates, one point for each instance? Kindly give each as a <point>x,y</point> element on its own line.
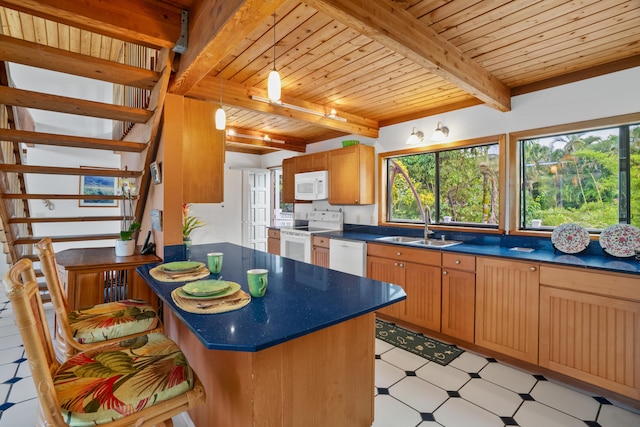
<point>180,267</point>
<point>208,289</point>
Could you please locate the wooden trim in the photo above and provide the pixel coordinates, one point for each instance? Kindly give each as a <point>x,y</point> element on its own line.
<point>41,56</point>
<point>39,138</point>
<point>63,104</point>
<point>41,220</point>
<point>416,115</point>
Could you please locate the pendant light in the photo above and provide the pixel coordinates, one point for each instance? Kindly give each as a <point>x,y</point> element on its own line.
<point>221,116</point>
<point>273,85</point>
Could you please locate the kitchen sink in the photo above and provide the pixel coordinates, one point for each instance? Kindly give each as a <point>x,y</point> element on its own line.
<point>436,243</point>
<point>399,239</point>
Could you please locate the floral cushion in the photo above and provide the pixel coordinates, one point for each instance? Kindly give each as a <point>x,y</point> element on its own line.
<point>106,384</point>
<point>112,320</point>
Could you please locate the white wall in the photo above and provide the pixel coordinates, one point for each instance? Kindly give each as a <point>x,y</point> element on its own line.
<point>594,98</point>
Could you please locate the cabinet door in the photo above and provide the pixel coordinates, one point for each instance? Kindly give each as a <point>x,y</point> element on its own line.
<point>273,246</point>
<point>387,270</point>
<point>458,303</point>
<point>590,337</point>
<point>313,162</point>
<point>351,175</point>
<point>507,304</point>
<point>320,256</point>
<point>289,169</point>
<point>422,285</point>
<point>203,151</point>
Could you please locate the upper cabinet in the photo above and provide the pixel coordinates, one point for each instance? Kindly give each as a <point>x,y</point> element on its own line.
<point>351,175</point>
<point>202,154</point>
<point>289,169</point>
<point>313,162</point>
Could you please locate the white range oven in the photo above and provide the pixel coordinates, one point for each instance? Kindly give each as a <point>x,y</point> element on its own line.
<point>297,242</point>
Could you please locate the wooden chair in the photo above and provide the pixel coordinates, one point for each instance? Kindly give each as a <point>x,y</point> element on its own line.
<point>86,328</point>
<point>141,381</point>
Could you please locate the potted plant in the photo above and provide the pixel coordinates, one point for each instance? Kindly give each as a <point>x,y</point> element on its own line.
<point>126,245</point>
<point>189,224</point>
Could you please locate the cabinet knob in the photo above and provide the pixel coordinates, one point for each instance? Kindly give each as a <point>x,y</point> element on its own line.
<point>401,265</point>
<point>395,264</point>
<point>444,273</point>
<point>532,269</point>
<point>457,261</point>
<point>398,253</point>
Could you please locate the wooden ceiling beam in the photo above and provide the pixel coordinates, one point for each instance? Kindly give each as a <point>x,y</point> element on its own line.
<point>150,23</point>
<point>395,28</point>
<point>39,138</point>
<point>257,139</point>
<point>215,29</point>
<point>63,104</point>
<point>239,96</point>
<point>45,57</point>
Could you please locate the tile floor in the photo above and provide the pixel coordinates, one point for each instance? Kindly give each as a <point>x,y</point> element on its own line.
<point>410,391</point>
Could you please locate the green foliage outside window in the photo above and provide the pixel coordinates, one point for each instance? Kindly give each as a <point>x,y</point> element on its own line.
<point>577,178</point>
<point>460,183</point>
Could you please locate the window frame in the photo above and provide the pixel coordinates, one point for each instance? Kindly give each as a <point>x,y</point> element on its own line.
<point>440,147</point>
<point>515,168</point>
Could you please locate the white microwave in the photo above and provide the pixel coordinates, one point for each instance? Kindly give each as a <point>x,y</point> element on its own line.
<point>312,185</point>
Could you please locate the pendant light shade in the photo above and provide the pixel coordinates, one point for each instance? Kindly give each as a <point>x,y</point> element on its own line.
<point>221,119</point>
<point>274,88</point>
<point>221,116</point>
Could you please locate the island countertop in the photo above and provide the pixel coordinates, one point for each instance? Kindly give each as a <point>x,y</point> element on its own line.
<point>301,298</point>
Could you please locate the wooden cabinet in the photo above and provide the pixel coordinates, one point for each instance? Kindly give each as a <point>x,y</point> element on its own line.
<point>273,241</point>
<point>203,150</point>
<point>320,251</point>
<point>590,327</point>
<point>458,296</point>
<point>351,175</point>
<point>313,162</point>
<point>289,169</point>
<point>418,272</point>
<point>507,302</point>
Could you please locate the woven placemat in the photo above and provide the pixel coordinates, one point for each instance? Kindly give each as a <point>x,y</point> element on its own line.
<point>158,274</point>
<point>211,306</point>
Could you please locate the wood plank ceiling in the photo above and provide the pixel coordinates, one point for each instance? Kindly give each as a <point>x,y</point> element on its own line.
<point>376,62</point>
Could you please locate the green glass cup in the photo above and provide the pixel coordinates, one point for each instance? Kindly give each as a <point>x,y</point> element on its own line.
<point>257,279</point>
<point>214,261</point>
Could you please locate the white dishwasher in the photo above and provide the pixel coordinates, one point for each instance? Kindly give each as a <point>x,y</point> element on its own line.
<point>349,256</point>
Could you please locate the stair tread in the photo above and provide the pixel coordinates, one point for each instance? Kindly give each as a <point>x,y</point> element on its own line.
<point>68,238</point>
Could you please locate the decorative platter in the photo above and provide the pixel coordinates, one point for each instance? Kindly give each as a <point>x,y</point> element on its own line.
<point>570,238</point>
<point>181,267</point>
<point>620,240</point>
<point>204,288</point>
<point>232,289</point>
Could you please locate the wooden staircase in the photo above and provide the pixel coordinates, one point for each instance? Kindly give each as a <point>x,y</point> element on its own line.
<point>136,116</point>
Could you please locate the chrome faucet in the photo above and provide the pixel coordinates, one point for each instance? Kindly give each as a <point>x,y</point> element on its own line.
<point>427,221</point>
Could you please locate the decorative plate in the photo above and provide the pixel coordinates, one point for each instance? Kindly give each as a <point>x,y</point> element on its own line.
<point>620,240</point>
<point>181,266</point>
<point>203,288</point>
<point>570,238</point>
<point>232,289</point>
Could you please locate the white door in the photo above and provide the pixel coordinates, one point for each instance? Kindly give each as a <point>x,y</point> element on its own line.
<point>256,213</point>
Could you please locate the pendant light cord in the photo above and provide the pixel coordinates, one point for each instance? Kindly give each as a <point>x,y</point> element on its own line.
<point>274,41</point>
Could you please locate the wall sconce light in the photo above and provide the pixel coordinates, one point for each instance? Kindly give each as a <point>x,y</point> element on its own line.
<point>416,137</point>
<point>440,134</point>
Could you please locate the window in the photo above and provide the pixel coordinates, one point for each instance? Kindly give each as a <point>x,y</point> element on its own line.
<point>282,212</point>
<point>458,186</point>
<point>590,177</point>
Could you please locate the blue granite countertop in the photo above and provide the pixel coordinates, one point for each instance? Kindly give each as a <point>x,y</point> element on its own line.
<point>499,245</point>
<point>301,298</point>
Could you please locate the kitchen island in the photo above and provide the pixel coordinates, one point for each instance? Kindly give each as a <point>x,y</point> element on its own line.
<point>301,355</point>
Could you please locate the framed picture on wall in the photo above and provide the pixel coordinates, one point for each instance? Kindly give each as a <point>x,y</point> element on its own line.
<point>91,185</point>
<point>156,174</point>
